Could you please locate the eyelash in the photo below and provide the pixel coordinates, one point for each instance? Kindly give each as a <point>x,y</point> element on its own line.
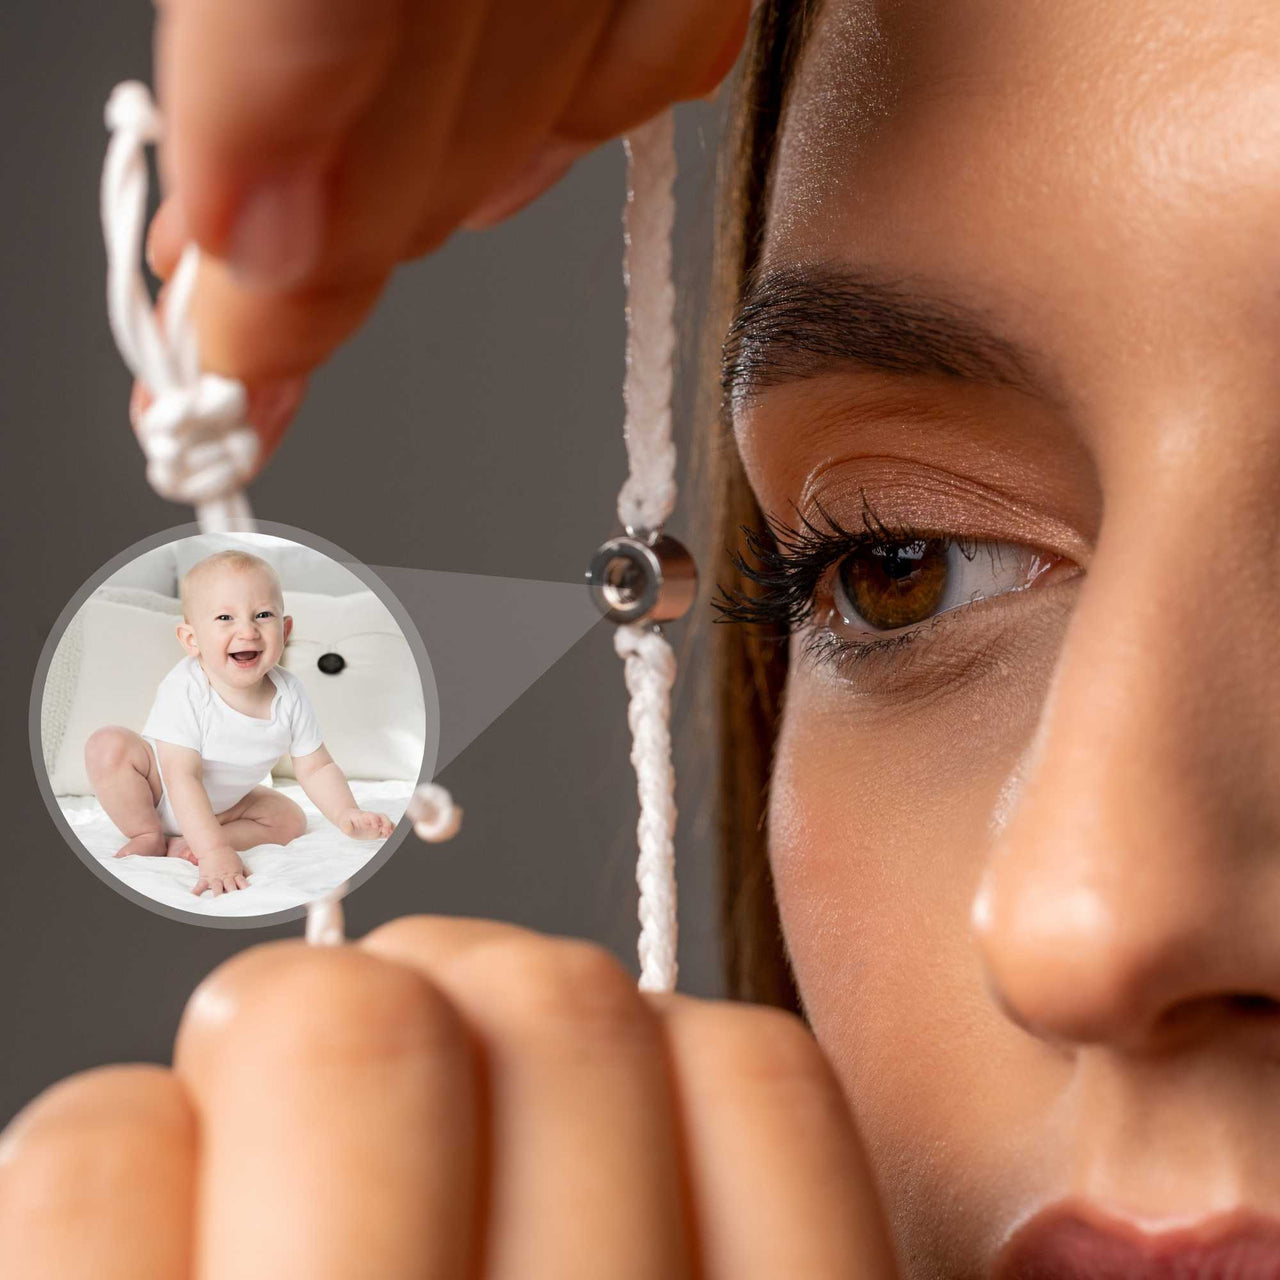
<point>790,564</point>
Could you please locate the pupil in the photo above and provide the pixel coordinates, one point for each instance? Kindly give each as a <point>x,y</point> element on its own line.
<point>896,585</point>
<point>901,560</point>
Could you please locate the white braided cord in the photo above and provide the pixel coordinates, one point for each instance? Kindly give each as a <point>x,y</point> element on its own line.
<point>649,494</point>
<point>645,501</point>
<point>650,671</point>
<point>198,446</point>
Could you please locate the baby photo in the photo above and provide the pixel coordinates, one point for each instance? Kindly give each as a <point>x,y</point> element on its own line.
<point>254,743</point>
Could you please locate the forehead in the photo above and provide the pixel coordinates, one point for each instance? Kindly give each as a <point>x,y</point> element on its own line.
<point>225,579</point>
<point>1099,178</point>
<point>916,127</point>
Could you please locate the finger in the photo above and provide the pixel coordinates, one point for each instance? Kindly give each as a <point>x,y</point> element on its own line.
<point>261,337</point>
<point>166,239</point>
<point>343,1119</point>
<point>201,885</point>
<point>258,94</point>
<point>548,164</point>
<point>581,1108</point>
<point>507,106</point>
<point>229,884</point>
<point>654,53</point>
<point>767,1126</point>
<point>462,107</point>
<point>97,1178</point>
<point>242,882</point>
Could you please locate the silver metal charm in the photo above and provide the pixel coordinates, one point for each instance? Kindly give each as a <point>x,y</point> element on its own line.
<point>637,579</point>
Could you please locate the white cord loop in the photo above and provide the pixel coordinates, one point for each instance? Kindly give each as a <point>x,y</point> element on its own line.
<point>435,817</point>
<point>646,500</point>
<point>198,448</point>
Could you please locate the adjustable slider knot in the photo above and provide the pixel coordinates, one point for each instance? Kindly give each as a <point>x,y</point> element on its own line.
<point>197,445</point>
<point>639,580</point>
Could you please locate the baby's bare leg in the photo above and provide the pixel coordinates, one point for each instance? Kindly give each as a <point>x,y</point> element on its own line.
<point>264,816</point>
<point>126,781</point>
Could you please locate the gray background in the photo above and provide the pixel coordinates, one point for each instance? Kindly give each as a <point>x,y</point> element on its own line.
<point>489,382</point>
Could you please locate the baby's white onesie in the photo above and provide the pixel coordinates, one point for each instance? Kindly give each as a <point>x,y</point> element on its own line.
<point>237,751</point>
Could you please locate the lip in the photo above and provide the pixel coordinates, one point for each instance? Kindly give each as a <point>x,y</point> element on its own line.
<point>257,653</point>
<point>1079,1242</point>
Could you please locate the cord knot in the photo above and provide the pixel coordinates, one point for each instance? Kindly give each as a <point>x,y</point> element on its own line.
<point>198,448</point>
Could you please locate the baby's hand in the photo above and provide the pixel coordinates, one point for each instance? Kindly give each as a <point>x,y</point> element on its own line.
<point>363,825</point>
<point>220,870</point>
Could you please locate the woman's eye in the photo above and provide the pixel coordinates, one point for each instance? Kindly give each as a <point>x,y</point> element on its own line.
<point>889,586</point>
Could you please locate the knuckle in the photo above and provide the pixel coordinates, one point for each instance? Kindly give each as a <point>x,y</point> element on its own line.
<point>551,987</point>
<point>763,1047</point>
<point>294,1003</point>
<point>89,1134</point>
<point>777,1048</point>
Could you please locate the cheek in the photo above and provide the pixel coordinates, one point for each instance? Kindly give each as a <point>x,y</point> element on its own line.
<point>878,828</point>
<point>875,835</point>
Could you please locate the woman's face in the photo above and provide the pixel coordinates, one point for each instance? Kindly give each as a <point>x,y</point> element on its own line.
<point>1022,287</point>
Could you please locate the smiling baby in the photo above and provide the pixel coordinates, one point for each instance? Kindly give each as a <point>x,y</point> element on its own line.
<point>191,784</point>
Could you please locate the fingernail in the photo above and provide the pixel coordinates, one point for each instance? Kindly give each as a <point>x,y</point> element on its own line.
<point>277,234</point>
<point>545,167</point>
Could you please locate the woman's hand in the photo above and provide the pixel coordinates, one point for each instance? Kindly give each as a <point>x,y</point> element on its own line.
<point>313,145</point>
<point>449,1098</point>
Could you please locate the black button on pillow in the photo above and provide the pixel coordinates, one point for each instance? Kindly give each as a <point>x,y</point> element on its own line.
<point>331,663</point>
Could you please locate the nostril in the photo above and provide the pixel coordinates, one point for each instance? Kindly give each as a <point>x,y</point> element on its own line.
<point>331,663</point>
<point>1254,1005</point>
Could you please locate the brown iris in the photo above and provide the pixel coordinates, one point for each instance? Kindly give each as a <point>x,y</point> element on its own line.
<point>895,584</point>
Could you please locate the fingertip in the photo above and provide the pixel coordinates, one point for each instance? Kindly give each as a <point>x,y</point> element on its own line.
<point>273,405</point>
<point>166,238</point>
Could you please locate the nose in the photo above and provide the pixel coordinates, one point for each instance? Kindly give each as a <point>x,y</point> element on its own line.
<point>1132,895</point>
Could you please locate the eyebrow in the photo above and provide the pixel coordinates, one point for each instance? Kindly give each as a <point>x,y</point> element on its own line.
<point>798,322</point>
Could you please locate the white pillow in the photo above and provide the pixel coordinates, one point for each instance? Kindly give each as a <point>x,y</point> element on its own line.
<point>64,665</point>
<point>125,652</point>
<point>60,690</point>
<point>371,711</point>
<point>153,570</point>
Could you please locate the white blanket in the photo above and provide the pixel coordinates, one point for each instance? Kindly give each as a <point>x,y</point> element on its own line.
<point>283,876</point>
